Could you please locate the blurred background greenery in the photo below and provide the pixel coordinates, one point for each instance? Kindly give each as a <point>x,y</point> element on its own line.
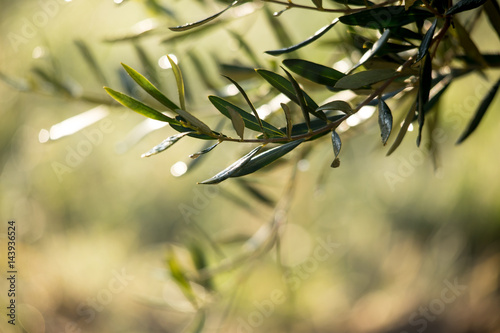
<point>372,246</point>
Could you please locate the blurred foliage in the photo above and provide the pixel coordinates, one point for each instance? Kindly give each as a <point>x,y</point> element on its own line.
<point>297,246</point>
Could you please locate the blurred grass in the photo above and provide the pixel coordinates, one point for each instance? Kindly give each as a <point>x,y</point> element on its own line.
<point>396,243</point>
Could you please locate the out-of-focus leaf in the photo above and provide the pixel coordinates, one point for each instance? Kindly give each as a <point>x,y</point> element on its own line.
<point>139,107</point>
<point>363,79</point>
<point>481,110</point>
<point>314,72</point>
<point>384,120</point>
<point>52,80</point>
<point>237,121</point>
<point>201,126</point>
<point>426,42</point>
<point>404,128</point>
<point>337,105</point>
<point>492,10</point>
<point>200,69</point>
<point>16,83</point>
<point>374,49</point>
<point>318,3</point>
<point>180,278</point>
<point>246,48</point>
<point>180,82</point>
<point>198,323</point>
<point>300,97</point>
<point>164,145</point>
<point>259,161</point>
<point>306,42</point>
<point>470,48</point>
<point>250,121</point>
<point>256,193</point>
<point>385,17</point>
<point>277,28</point>
<point>245,96</point>
<point>464,5</point>
<point>150,88</point>
<point>200,262</point>
<point>288,117</point>
<point>91,61</point>
<point>147,64</point>
<point>188,26</point>
<point>232,169</point>
<point>423,93</point>
<point>285,86</point>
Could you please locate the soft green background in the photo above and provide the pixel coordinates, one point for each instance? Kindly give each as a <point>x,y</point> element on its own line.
<point>396,243</point>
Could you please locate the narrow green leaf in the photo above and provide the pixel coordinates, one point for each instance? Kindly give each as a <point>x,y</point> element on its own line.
<point>306,42</point>
<point>232,169</point>
<point>250,121</point>
<point>288,117</point>
<point>464,5</point>
<point>286,87</point>
<point>180,82</point>
<point>259,161</point>
<point>237,121</point>
<point>384,120</point>
<point>373,50</point>
<point>245,96</point>
<point>91,61</point>
<point>385,17</point>
<point>337,145</point>
<point>188,26</point>
<point>165,144</point>
<point>200,126</point>
<point>180,278</point>
<point>139,107</point>
<point>204,151</point>
<point>363,79</point>
<point>423,93</point>
<point>337,105</point>
<point>404,128</point>
<point>314,72</point>
<point>426,42</point>
<point>481,110</point>
<point>150,88</point>
<point>300,97</point>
